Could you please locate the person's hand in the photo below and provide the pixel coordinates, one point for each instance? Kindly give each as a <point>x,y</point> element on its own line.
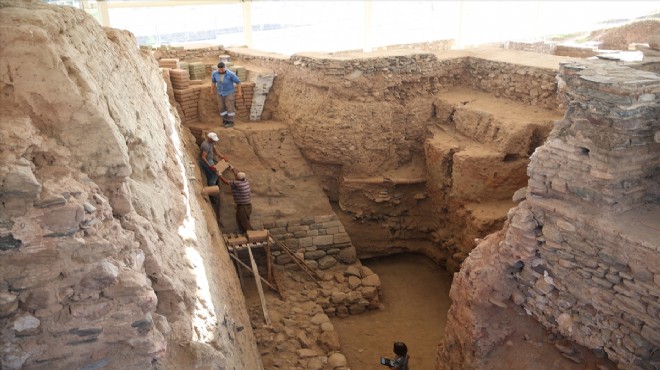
<point>213,168</point>
<point>226,159</point>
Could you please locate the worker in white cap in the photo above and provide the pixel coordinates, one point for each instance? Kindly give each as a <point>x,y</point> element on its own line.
<point>207,158</point>
<point>240,189</point>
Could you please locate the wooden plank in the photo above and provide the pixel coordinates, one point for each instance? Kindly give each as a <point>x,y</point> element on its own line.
<point>237,240</point>
<point>311,273</point>
<point>257,235</point>
<point>278,284</point>
<point>259,288</point>
<point>253,273</point>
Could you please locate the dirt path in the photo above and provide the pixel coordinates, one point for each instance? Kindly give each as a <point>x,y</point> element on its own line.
<point>416,300</point>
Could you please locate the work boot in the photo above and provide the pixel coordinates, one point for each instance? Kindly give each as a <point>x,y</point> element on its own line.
<point>225,123</point>
<point>229,124</point>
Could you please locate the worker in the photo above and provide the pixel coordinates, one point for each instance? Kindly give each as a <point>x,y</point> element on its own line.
<point>240,189</point>
<point>401,360</point>
<point>223,81</point>
<point>207,158</point>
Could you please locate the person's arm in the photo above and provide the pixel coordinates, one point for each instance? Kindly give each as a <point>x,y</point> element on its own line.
<point>214,88</point>
<point>224,181</point>
<point>239,88</point>
<point>203,156</point>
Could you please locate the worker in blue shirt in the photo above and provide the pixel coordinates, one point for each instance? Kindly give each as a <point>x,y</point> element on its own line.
<point>223,82</point>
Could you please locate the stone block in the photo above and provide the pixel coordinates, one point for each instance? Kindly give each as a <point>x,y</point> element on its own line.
<point>314,255</point>
<point>341,238</point>
<point>331,224</point>
<point>324,218</point>
<point>347,256</point>
<point>322,240</point>
<point>305,242</point>
<point>371,281</point>
<point>307,220</point>
<point>326,262</point>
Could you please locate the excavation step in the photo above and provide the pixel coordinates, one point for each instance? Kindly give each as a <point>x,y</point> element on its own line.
<point>507,126</point>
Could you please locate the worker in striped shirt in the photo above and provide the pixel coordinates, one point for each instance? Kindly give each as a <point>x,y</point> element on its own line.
<point>240,189</point>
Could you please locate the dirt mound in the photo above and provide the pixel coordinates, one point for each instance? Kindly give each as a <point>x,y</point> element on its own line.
<point>619,38</point>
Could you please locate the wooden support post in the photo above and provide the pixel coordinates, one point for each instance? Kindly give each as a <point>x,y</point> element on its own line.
<point>269,261</point>
<point>249,269</point>
<point>259,288</point>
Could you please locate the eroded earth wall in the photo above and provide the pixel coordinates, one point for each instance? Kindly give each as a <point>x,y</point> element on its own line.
<point>581,253</point>
<point>106,260</point>
<point>422,152</point>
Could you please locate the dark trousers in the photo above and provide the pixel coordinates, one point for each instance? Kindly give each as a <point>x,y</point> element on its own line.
<point>243,212</point>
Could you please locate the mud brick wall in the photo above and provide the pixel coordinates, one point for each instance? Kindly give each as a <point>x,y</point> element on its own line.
<point>586,233</point>
<point>244,104</point>
<point>188,99</point>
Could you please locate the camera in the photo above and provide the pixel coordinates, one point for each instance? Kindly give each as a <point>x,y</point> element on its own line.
<point>386,361</point>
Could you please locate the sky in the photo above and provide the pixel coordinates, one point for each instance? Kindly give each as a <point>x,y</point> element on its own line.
<point>334,25</point>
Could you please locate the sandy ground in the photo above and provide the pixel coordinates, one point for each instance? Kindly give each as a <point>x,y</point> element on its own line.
<point>416,301</point>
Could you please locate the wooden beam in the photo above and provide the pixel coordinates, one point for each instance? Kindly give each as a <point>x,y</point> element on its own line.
<point>253,273</point>
<point>259,288</point>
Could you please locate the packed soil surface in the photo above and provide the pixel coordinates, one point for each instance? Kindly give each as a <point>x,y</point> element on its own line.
<point>415,303</point>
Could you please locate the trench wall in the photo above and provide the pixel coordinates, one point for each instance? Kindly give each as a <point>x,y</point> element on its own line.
<point>358,117</point>
<point>603,159</point>
<point>581,253</point>
<point>99,259</point>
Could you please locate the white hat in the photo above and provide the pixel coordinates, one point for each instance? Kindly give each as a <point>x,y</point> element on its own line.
<point>240,176</point>
<point>213,136</point>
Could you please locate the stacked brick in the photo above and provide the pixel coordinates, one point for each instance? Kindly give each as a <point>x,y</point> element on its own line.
<point>169,63</point>
<point>183,65</point>
<point>188,99</point>
<point>244,105</point>
<point>241,72</point>
<point>197,70</point>
<point>180,79</point>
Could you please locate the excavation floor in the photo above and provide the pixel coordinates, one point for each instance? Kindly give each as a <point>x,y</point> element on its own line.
<point>415,304</point>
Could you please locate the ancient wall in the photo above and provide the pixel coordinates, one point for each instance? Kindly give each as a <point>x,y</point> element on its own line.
<point>581,253</point>
<point>186,54</point>
<point>321,240</point>
<point>107,261</point>
<point>597,282</point>
<point>359,118</point>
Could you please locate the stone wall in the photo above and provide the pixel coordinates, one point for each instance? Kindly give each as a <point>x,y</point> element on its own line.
<point>187,53</point>
<point>581,253</point>
<point>593,277</point>
<point>529,85</point>
<point>319,240</point>
<point>575,51</point>
<point>537,47</point>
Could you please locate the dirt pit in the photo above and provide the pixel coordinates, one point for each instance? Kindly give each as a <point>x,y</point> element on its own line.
<point>415,299</point>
